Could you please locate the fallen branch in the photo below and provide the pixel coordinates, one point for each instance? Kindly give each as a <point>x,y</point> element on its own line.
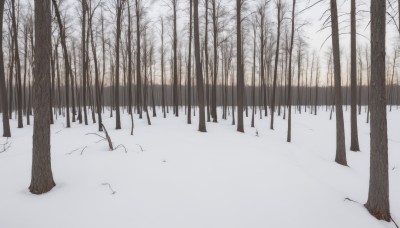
<point>83,149</point>
<point>141,148</point>
<point>394,222</point>
<point>109,186</point>
<point>121,146</point>
<point>5,146</point>
<point>351,200</point>
<point>104,138</point>
<point>72,151</point>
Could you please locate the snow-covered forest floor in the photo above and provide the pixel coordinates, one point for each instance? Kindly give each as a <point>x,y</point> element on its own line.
<point>173,176</point>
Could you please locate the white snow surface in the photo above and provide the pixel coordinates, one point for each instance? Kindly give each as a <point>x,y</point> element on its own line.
<point>187,179</point>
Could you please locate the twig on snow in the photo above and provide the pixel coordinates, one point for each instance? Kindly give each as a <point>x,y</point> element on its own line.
<point>80,148</point>
<point>122,146</point>
<point>104,138</point>
<point>109,186</point>
<point>5,146</point>
<point>83,149</point>
<point>348,199</point>
<point>394,222</point>
<point>141,148</point>
<point>69,153</point>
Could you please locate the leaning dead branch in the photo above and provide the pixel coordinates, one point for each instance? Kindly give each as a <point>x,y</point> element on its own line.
<point>110,145</point>
<point>108,138</point>
<point>96,135</point>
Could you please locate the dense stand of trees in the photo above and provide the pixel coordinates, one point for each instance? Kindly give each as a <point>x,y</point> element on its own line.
<point>111,64</point>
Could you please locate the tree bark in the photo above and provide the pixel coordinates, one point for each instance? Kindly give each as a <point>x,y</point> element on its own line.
<point>189,69</point>
<point>42,176</point>
<point>340,137</point>
<point>289,103</point>
<point>199,70</point>
<point>240,76</point>
<point>3,92</point>
<point>279,7</point>
<point>378,196</point>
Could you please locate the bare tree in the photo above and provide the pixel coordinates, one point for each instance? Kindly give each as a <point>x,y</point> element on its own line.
<point>289,98</point>
<point>139,10</point>
<point>3,92</point>
<point>378,196</point>
<point>278,34</point>
<point>42,176</point>
<point>17,64</point>
<point>189,70</point>
<point>354,146</point>
<point>340,139</point>
<point>66,61</point>
<point>199,70</point>
<point>240,74</point>
<point>174,4</point>
<point>119,7</point>
<point>84,60</point>
<point>96,72</point>
<point>162,68</point>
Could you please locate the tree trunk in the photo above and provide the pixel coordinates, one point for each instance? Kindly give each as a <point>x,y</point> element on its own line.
<point>42,176</point>
<point>189,70</point>
<point>66,61</point>
<point>199,70</point>
<point>17,64</point>
<point>138,63</point>
<point>378,196</point>
<point>3,92</point>
<point>240,76</point>
<point>279,6</point>
<point>340,137</point>
<point>289,103</point>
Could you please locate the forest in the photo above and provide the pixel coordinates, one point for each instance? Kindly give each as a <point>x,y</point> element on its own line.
<point>199,113</point>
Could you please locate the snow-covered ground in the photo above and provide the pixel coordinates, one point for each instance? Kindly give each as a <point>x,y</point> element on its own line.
<point>187,179</point>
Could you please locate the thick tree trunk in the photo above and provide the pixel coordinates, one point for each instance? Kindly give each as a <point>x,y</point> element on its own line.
<point>42,176</point>
<point>378,196</point>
